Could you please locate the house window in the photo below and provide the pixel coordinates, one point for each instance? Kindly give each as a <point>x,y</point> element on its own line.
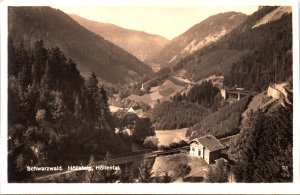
<point>193,149</point>
<point>199,152</point>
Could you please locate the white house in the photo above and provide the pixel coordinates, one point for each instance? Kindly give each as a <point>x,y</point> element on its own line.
<point>136,110</point>
<point>207,147</point>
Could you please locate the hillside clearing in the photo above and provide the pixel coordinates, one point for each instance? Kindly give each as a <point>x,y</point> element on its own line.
<point>161,93</point>
<point>114,108</point>
<point>167,137</point>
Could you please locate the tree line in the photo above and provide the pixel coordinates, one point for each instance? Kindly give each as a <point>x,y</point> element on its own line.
<point>176,115</point>
<point>263,151</point>
<point>204,94</point>
<point>55,116</point>
<point>223,122</point>
<point>268,53</point>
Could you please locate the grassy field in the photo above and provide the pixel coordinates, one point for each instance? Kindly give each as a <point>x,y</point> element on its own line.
<point>166,92</point>
<point>162,92</point>
<point>167,137</point>
<point>114,108</point>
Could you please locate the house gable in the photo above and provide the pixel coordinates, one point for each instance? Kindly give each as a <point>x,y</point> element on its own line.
<point>207,147</point>
<point>210,142</point>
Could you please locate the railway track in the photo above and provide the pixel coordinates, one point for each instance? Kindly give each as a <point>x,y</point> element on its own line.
<point>119,161</point>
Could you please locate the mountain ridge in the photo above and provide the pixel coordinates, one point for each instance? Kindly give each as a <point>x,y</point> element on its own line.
<point>90,51</point>
<point>139,43</point>
<point>199,35</point>
<point>247,56</point>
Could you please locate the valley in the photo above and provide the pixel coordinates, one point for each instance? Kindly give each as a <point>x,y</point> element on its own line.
<point>90,95</point>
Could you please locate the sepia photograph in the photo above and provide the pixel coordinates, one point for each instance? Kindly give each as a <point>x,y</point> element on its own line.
<point>141,94</point>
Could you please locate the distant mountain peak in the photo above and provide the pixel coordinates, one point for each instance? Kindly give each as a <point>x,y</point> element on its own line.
<point>138,43</point>
<point>90,51</point>
<point>198,36</point>
<point>247,56</point>
<point>273,16</point>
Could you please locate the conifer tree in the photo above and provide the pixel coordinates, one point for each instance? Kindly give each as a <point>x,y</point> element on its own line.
<point>109,176</point>
<point>47,77</point>
<point>91,176</point>
<point>126,175</point>
<point>12,64</point>
<point>145,172</point>
<point>262,152</point>
<point>22,57</point>
<point>217,173</point>
<point>105,111</point>
<point>92,85</point>
<point>38,66</point>
<point>166,178</point>
<point>93,101</point>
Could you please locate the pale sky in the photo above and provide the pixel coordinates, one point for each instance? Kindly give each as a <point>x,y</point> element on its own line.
<point>168,22</point>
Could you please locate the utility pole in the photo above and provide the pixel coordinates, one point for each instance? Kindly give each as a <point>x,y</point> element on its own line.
<point>219,68</point>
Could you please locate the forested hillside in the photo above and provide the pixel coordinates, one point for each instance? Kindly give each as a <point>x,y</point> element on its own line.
<point>176,115</point>
<point>222,123</point>
<point>54,115</point>
<point>91,52</point>
<point>260,51</point>
<point>267,62</point>
<point>198,36</point>
<point>263,151</point>
<point>204,94</point>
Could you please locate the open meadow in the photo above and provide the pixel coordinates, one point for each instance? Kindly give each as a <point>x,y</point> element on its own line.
<point>167,137</point>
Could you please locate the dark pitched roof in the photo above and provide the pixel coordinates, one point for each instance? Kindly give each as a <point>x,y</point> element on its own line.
<point>210,142</point>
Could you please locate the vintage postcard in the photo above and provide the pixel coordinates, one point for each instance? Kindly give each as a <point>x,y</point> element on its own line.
<point>189,94</point>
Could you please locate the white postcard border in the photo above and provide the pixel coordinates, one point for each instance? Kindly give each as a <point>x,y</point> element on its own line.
<point>178,188</point>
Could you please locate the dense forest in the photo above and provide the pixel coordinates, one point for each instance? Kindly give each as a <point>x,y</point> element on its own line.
<point>263,151</point>
<point>54,115</point>
<point>131,127</point>
<point>176,115</point>
<point>267,62</point>
<point>204,94</point>
<point>223,122</point>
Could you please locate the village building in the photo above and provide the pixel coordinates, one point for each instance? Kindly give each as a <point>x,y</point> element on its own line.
<point>207,147</point>
<point>136,110</point>
<point>142,88</point>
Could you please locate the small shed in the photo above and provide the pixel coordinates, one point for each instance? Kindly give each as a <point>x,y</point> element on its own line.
<point>207,147</point>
